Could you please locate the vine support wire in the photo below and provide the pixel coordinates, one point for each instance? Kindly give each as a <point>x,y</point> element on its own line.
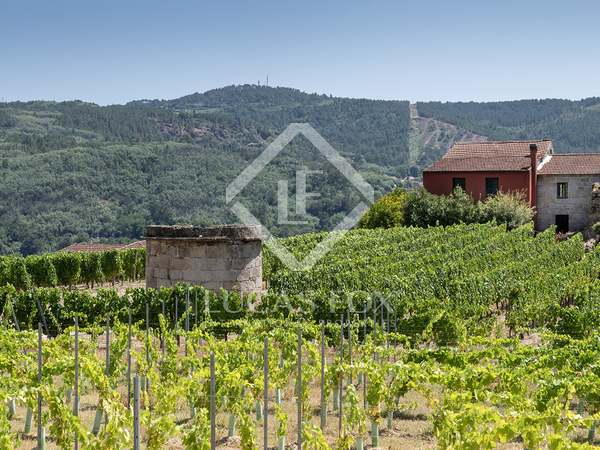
<point>98,417</point>
<point>195,308</point>
<point>162,338</point>
<point>350,345</point>
<point>42,315</point>
<point>187,310</point>
<point>129,358</point>
<point>76,387</point>
<point>299,446</point>
<point>146,379</point>
<point>136,412</point>
<point>365,325</point>
<point>187,318</point>
<point>395,331</point>
<point>41,435</point>
<point>14,314</point>
<point>341,377</point>
<point>213,406</point>
<point>323,361</point>
<point>107,362</point>
<point>177,320</point>
<point>266,394</point>
<point>374,316</point>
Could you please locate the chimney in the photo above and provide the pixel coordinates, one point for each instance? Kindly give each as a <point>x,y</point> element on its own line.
<point>533,150</point>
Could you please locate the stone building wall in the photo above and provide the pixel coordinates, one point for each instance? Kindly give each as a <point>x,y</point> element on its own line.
<point>228,257</point>
<point>577,205</point>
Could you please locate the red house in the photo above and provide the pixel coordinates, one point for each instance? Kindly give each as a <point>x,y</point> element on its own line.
<point>484,168</point>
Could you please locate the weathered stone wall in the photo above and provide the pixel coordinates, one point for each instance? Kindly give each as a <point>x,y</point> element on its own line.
<point>577,205</point>
<point>595,205</point>
<point>228,257</point>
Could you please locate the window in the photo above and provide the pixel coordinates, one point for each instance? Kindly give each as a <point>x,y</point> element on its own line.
<point>562,190</point>
<point>459,182</point>
<point>491,186</point>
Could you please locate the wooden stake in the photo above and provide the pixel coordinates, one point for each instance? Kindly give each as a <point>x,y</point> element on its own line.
<point>213,408</point>
<point>76,387</point>
<point>136,412</point>
<point>266,394</point>
<point>299,446</point>
<point>323,361</point>
<point>41,435</point>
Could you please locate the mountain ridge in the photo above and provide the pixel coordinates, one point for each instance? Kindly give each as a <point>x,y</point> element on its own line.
<point>75,171</point>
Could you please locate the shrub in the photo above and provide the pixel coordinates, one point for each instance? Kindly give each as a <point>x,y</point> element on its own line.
<point>387,212</point>
<point>508,208</point>
<point>596,228</point>
<point>422,209</point>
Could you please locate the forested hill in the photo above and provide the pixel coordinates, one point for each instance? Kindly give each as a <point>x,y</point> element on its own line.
<point>76,171</point>
<point>574,126</point>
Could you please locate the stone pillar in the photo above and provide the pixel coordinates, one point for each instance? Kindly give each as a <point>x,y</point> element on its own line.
<point>227,256</point>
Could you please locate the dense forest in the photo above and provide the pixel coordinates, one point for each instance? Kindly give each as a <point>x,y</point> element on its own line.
<point>574,126</point>
<point>75,171</point>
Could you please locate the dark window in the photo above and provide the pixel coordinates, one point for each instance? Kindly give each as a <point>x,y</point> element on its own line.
<point>562,223</point>
<point>491,186</point>
<point>562,190</point>
<point>459,182</point>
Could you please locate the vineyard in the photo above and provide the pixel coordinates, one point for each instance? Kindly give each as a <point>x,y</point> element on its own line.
<point>462,337</point>
<point>68,269</point>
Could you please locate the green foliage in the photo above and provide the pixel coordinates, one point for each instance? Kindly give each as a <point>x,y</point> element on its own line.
<point>508,208</point>
<point>422,209</point>
<point>91,268</point>
<point>386,212</point>
<point>68,267</point>
<point>133,263</point>
<point>42,270</point>
<point>112,265</point>
<point>572,125</point>
<point>19,277</point>
<point>170,162</point>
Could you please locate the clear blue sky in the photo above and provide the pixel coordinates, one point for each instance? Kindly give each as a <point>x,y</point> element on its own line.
<point>109,51</point>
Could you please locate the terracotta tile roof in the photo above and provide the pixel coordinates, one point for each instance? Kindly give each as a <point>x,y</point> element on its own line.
<point>489,156</point>
<point>97,247</point>
<point>136,244</point>
<point>572,164</point>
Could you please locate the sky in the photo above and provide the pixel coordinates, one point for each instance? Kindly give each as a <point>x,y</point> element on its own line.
<point>108,51</point>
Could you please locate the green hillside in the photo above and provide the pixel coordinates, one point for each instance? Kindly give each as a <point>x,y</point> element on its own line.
<point>574,126</point>
<point>76,171</point>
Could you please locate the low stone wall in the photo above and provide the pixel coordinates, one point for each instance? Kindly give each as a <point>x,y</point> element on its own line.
<point>228,257</point>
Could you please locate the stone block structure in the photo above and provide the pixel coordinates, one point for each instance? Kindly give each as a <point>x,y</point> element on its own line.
<point>228,257</point>
<point>575,205</point>
<point>565,191</point>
